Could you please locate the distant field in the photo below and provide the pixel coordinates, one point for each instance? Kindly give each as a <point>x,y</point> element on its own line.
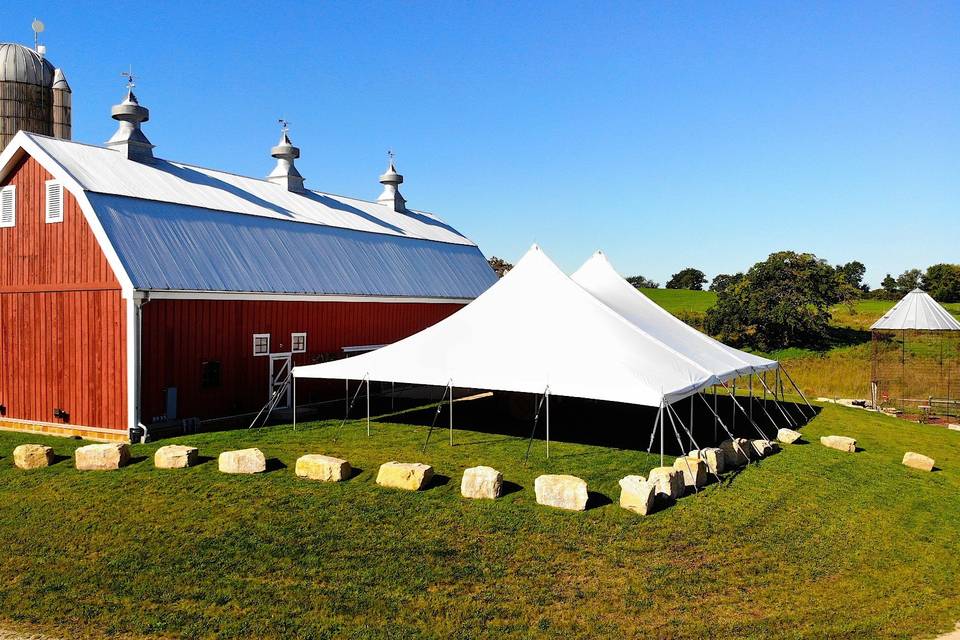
<point>676,300</point>
<point>844,370</point>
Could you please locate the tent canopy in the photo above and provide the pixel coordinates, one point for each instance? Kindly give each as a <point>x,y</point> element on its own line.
<point>599,278</point>
<point>917,310</point>
<point>533,330</point>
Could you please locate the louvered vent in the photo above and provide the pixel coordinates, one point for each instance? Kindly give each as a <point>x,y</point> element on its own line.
<point>54,205</point>
<point>8,206</point>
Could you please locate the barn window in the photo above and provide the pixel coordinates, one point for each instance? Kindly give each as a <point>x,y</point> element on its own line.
<point>8,206</point>
<point>54,205</point>
<point>210,374</point>
<point>261,344</point>
<point>298,342</point>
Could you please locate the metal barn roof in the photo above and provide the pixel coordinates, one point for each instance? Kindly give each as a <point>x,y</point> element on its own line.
<point>166,246</point>
<point>175,227</point>
<point>104,170</point>
<point>917,310</point>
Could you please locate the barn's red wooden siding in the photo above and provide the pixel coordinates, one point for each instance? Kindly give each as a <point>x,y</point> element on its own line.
<point>179,335</point>
<point>63,339</point>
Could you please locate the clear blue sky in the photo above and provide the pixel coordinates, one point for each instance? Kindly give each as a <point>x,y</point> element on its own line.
<point>669,134</point>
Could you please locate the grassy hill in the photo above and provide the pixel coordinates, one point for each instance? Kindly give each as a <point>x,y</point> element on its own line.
<point>809,543</point>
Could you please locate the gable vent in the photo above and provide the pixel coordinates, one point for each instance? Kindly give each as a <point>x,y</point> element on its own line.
<point>54,206</point>
<point>8,206</point>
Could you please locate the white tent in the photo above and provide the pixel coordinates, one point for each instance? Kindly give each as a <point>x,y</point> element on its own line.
<point>599,278</point>
<point>917,310</point>
<point>534,331</point>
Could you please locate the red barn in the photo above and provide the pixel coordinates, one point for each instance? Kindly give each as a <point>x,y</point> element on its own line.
<point>136,291</point>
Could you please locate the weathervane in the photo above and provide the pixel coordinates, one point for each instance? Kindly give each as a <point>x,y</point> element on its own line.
<point>284,125</point>
<point>391,155</point>
<point>129,76</point>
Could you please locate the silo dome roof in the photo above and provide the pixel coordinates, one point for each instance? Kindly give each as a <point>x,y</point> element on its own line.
<point>22,64</point>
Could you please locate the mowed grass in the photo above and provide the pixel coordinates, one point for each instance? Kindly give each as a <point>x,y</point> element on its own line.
<point>677,300</point>
<point>809,543</point>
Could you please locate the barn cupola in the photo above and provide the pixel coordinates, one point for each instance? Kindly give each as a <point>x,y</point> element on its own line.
<point>391,181</point>
<point>285,173</point>
<point>129,139</point>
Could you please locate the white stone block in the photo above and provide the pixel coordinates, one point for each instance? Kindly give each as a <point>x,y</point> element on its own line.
<point>713,456</point>
<point>102,457</point>
<point>242,461</point>
<point>481,482</point>
<point>561,491</point>
<point>918,461</point>
<point>175,456</point>
<point>32,456</point>
<point>840,443</point>
<point>323,468</point>
<point>411,476</point>
<point>637,495</point>
<point>693,471</point>
<point>788,436</point>
<point>668,481</point>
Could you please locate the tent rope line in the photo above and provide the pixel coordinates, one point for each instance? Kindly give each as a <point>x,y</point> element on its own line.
<point>685,456</point>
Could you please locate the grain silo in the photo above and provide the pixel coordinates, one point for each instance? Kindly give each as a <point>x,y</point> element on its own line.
<point>34,95</point>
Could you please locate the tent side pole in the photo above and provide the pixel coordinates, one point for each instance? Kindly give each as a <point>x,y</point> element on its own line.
<point>451,413</point>
<point>548,423</point>
<point>368,406</point>
<point>294,383</point>
<point>750,385</point>
<point>733,409</point>
<point>798,390</point>
<point>661,433</point>
<point>691,422</point>
<point>715,416</point>
<point>777,405</point>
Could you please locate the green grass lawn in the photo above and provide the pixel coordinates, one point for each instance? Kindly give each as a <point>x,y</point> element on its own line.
<point>677,300</point>
<point>810,543</point>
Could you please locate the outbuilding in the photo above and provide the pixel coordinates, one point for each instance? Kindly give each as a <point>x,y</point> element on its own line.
<point>137,291</point>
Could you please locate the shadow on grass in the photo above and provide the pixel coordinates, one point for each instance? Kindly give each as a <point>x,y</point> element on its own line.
<point>57,458</point>
<point>135,460</point>
<point>438,480</point>
<point>509,487</point>
<point>202,460</point>
<point>274,464</point>
<point>354,472</point>
<point>596,500</point>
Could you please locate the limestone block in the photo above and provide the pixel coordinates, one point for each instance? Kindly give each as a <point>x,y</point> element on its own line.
<point>761,448</point>
<point>102,457</point>
<point>669,482</point>
<point>481,482</point>
<point>953,427</point>
<point>736,452</point>
<point>411,476</point>
<point>918,461</point>
<point>788,436</point>
<point>324,468</point>
<point>242,461</point>
<point>561,491</point>
<point>713,456</point>
<point>32,456</point>
<point>175,456</point>
<point>840,443</point>
<point>693,470</point>
<point>637,495</point>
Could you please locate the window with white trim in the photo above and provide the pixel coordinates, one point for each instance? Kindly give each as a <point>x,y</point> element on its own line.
<point>298,343</point>
<point>261,344</point>
<point>54,201</point>
<point>8,206</point>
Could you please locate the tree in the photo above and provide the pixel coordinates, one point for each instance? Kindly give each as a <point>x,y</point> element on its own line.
<point>688,278</point>
<point>889,287</point>
<point>639,282</point>
<point>852,274</point>
<point>781,302</point>
<point>722,281</point>
<point>499,266</point>
<point>908,281</point>
<point>942,281</point>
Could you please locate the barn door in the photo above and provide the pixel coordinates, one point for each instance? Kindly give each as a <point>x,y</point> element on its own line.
<point>279,372</point>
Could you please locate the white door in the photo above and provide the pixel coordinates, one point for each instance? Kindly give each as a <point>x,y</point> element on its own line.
<point>279,372</point>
